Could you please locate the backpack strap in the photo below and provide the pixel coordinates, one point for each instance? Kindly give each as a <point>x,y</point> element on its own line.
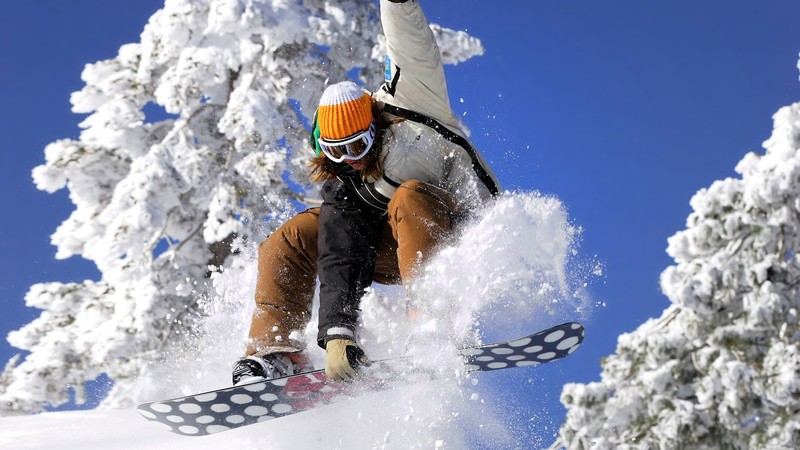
<point>448,134</point>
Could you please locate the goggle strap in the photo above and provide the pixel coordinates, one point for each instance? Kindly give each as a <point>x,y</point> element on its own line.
<point>315,134</point>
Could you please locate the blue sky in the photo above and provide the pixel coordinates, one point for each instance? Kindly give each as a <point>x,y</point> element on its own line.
<point>621,109</point>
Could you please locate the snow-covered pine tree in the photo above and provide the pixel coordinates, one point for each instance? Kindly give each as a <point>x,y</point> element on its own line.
<point>160,200</point>
<point>721,367</point>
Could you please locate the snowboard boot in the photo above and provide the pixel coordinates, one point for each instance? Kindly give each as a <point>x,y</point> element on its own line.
<point>267,367</point>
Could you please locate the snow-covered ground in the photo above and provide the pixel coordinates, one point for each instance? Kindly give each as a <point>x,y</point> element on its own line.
<point>88,430</point>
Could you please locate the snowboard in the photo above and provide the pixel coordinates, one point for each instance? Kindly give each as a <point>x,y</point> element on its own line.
<point>259,401</point>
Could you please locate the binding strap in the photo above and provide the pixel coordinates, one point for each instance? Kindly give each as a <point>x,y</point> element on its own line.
<point>446,133</point>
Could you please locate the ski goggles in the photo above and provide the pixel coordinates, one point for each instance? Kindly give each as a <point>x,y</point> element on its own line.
<point>350,148</point>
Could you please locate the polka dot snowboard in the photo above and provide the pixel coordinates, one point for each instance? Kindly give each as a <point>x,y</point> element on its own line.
<point>542,347</point>
<point>233,407</point>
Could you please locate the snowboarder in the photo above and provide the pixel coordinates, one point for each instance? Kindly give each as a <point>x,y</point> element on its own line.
<point>398,173</point>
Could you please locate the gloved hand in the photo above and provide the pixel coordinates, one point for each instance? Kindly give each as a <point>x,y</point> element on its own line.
<point>342,359</point>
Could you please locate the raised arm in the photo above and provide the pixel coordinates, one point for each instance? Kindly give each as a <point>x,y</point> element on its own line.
<point>414,71</point>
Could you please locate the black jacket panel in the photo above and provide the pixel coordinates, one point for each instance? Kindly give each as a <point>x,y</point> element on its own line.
<point>347,246</point>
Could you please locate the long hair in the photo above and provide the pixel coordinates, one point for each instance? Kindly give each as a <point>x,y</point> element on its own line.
<point>322,169</point>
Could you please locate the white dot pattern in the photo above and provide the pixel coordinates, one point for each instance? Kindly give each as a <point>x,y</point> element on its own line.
<point>188,429</point>
<point>210,397</point>
<point>190,408</point>
<point>221,410</point>
<point>228,408</point>
<point>544,346</point>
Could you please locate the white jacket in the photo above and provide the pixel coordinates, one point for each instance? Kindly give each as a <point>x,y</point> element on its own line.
<point>437,153</point>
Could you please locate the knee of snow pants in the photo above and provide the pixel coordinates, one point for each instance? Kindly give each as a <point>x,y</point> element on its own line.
<point>421,218</point>
<point>287,269</point>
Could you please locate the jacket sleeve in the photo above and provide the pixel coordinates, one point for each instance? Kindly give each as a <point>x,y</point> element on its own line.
<point>347,243</point>
<point>414,77</point>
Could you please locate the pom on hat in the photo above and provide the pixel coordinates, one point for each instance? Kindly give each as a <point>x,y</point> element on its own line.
<point>344,110</point>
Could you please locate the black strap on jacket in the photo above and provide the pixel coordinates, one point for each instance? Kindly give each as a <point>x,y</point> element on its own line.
<point>446,133</point>
<point>366,192</point>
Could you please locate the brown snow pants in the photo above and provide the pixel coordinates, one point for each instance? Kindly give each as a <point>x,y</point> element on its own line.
<point>419,217</point>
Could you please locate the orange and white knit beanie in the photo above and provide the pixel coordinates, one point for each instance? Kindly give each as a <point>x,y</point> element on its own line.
<point>344,110</point>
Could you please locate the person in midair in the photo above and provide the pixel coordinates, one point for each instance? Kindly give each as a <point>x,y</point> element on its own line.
<point>398,174</point>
